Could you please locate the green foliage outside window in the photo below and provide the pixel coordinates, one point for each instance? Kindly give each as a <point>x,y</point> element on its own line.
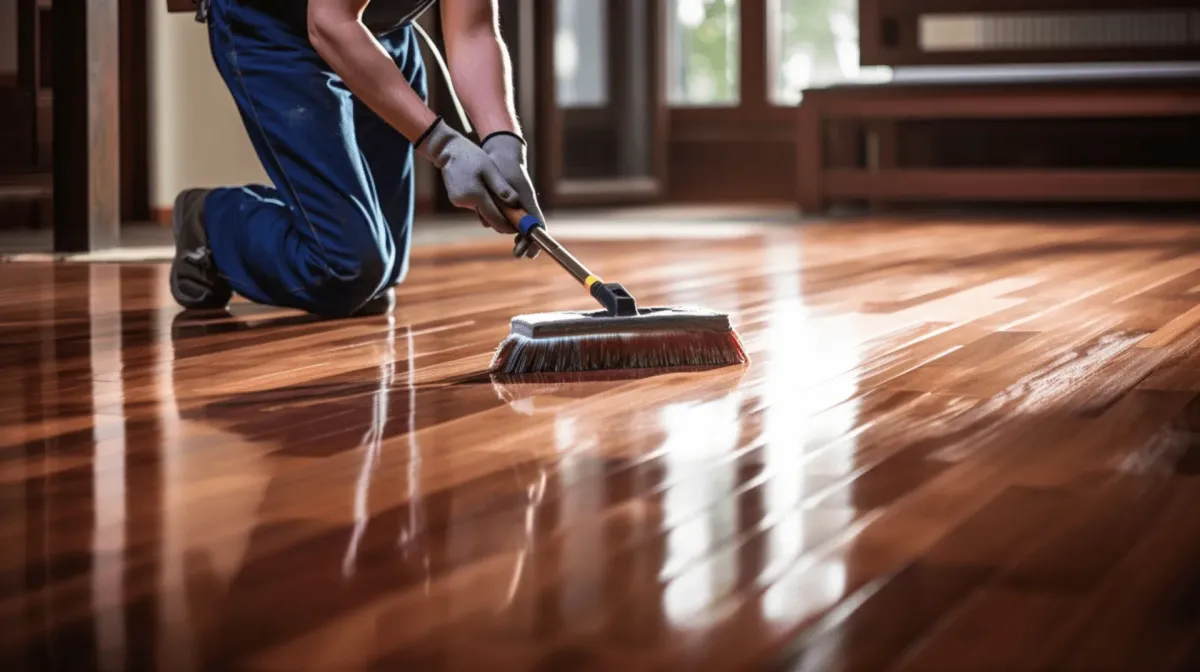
<point>815,43</point>
<point>704,46</point>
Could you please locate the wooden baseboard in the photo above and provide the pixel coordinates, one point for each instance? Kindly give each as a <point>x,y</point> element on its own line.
<point>8,79</point>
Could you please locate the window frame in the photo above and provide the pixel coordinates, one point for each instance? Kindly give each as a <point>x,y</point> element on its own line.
<point>556,190</point>
<point>754,106</point>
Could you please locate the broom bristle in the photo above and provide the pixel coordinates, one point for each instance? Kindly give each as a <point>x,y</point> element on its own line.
<point>519,354</point>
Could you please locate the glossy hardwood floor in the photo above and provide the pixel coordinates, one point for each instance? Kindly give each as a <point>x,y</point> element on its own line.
<point>960,446</point>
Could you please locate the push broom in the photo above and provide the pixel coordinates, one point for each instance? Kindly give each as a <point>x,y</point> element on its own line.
<point>621,335</point>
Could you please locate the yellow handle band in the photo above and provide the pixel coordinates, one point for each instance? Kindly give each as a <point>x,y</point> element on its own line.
<point>591,280</point>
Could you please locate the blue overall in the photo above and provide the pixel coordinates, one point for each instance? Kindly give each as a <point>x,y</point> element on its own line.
<point>334,230</point>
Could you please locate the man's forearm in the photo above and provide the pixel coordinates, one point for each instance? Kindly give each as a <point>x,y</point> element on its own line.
<point>479,65</point>
<point>370,74</point>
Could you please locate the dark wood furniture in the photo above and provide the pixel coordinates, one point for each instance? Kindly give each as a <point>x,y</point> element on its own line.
<point>1034,31</point>
<point>880,142</point>
<point>847,147</point>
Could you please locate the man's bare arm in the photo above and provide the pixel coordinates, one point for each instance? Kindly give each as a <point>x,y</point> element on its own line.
<point>479,64</point>
<point>339,36</point>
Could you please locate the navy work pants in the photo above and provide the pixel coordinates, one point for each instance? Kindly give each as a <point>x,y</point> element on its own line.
<point>333,230</point>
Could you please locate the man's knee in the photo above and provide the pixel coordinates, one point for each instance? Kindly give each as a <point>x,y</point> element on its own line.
<point>354,282</point>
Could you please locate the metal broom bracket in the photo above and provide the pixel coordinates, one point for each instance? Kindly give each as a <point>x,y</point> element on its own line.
<point>615,298</point>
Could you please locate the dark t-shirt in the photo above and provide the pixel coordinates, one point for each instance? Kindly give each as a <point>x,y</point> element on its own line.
<point>383,15</point>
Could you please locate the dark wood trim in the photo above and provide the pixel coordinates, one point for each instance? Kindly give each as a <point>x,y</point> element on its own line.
<point>518,24</point>
<point>29,72</point>
<point>549,118</point>
<point>589,117</point>
<point>912,56</point>
<point>730,116</point>
<point>617,50</point>
<point>871,49</point>
<point>752,51</point>
<point>135,112</point>
<point>8,79</point>
<point>809,159</point>
<point>1011,185</point>
<point>184,6</point>
<point>86,62</point>
<point>620,191</point>
<point>658,83</point>
<point>28,63</point>
<point>711,125</point>
<point>1060,99</point>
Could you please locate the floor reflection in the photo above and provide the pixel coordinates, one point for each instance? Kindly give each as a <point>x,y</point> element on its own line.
<point>248,507</point>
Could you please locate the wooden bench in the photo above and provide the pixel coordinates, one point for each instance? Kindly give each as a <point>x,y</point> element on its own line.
<point>847,140</point>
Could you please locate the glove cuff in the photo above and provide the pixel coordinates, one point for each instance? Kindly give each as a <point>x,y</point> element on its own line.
<point>504,146</point>
<point>432,143</point>
<point>510,134</point>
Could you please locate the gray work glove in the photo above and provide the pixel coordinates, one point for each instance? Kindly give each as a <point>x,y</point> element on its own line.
<point>473,181</point>
<point>508,152</point>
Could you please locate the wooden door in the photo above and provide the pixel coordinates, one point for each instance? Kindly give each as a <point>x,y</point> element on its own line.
<point>601,135</point>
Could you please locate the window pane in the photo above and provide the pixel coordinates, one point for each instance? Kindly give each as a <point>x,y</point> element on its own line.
<point>702,62</point>
<point>580,53</point>
<point>814,44</point>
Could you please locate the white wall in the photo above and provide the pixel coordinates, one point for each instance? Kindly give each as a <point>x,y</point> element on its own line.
<point>8,36</point>
<point>196,135</point>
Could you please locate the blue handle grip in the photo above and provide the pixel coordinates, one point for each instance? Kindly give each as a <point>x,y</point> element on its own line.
<point>527,223</point>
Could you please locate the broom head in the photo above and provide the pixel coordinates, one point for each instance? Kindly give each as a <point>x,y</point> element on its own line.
<point>654,338</point>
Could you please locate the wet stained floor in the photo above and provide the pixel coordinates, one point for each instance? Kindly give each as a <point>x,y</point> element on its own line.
<point>957,446</point>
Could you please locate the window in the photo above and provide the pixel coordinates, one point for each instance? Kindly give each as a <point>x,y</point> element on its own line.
<point>580,53</point>
<point>814,43</point>
<point>703,64</point>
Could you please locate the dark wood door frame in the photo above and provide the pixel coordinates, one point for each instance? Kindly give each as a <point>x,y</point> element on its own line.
<point>100,121</point>
<point>742,151</point>
<point>29,73</point>
<point>86,65</point>
<point>550,126</point>
<point>135,111</point>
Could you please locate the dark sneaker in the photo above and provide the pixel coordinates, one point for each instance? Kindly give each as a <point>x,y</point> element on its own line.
<point>195,283</point>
